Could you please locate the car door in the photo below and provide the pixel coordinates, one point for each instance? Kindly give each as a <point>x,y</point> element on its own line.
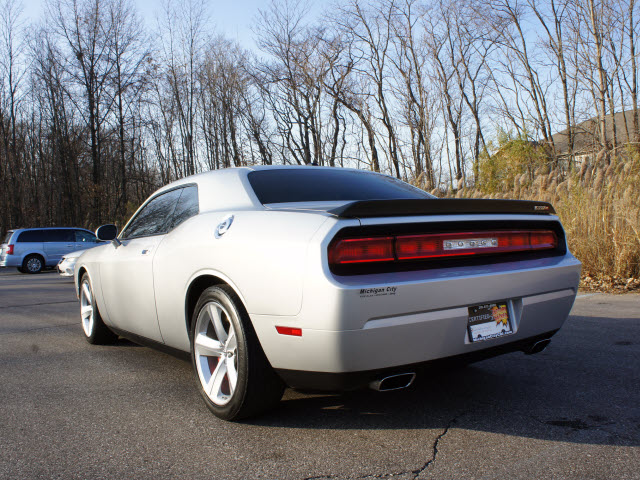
<point>126,271</point>
<point>58,241</point>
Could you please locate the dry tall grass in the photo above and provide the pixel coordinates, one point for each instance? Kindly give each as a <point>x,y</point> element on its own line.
<point>599,208</point>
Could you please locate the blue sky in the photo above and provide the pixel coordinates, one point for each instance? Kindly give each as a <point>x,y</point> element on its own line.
<point>232,18</point>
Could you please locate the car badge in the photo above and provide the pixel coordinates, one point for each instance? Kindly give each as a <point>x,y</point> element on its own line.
<point>224,226</point>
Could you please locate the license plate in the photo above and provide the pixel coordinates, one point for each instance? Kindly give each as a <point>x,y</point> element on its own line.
<point>490,320</point>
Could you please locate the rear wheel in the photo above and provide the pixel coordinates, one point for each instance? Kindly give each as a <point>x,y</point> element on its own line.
<point>33,264</point>
<point>233,373</point>
<point>95,331</point>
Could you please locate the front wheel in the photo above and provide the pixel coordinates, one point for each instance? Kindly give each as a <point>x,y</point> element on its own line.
<point>95,331</point>
<point>234,375</point>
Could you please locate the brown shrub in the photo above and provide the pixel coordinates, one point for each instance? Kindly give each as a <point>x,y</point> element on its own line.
<point>600,211</point>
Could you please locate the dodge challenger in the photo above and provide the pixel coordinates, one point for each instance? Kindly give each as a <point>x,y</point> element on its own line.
<point>324,279</point>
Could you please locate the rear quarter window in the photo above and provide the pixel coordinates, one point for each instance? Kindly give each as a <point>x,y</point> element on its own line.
<point>319,184</point>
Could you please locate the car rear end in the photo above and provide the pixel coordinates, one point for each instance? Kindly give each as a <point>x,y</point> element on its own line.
<point>390,295</point>
<point>405,281</point>
<point>8,257</point>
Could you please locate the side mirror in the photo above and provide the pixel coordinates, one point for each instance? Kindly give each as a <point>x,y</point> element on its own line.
<point>108,233</point>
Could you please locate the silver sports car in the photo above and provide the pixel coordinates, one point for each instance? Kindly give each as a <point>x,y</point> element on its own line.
<point>324,279</point>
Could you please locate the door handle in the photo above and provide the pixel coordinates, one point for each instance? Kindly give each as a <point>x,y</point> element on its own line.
<point>70,245</point>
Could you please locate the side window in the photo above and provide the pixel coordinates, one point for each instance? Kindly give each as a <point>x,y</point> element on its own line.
<point>31,236</point>
<point>154,218</point>
<point>187,206</point>
<point>59,235</point>
<point>85,237</point>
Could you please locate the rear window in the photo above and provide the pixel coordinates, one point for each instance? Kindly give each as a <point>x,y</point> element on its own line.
<point>31,236</point>
<point>85,237</point>
<point>8,237</point>
<point>317,185</point>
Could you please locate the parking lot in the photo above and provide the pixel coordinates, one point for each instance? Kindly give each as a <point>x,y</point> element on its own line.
<point>72,410</point>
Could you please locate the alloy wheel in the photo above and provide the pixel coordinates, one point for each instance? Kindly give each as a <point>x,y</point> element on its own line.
<point>216,352</point>
<point>86,308</point>
<point>34,265</point>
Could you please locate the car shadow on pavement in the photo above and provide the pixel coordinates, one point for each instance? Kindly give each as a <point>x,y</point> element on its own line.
<point>571,392</point>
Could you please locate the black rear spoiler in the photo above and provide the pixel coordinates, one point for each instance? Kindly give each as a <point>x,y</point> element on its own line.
<point>440,206</point>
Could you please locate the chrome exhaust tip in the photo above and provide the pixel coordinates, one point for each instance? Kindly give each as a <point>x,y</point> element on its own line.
<point>538,347</point>
<point>393,382</point>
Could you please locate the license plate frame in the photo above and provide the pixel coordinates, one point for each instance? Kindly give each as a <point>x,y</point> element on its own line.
<point>489,320</point>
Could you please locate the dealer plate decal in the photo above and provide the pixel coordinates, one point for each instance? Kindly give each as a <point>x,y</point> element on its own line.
<point>490,320</point>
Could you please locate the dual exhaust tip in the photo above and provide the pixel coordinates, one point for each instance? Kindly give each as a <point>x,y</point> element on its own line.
<point>393,382</point>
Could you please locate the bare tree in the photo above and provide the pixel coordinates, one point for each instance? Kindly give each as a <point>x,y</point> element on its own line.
<point>84,27</point>
<point>410,60</point>
<point>12,72</point>
<point>130,53</point>
<point>554,24</point>
<point>183,40</point>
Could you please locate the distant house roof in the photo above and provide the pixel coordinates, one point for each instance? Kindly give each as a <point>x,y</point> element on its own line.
<point>586,138</point>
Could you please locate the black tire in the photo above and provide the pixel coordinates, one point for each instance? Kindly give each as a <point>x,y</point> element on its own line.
<point>21,270</point>
<point>258,387</point>
<point>33,263</point>
<point>95,332</point>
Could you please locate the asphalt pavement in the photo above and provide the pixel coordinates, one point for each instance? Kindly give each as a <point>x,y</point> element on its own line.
<point>72,410</point>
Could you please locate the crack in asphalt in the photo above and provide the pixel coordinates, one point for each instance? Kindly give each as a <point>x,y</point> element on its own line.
<point>432,460</point>
<point>416,473</point>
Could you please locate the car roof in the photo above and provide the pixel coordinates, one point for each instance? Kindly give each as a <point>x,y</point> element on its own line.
<point>230,188</point>
<point>18,230</point>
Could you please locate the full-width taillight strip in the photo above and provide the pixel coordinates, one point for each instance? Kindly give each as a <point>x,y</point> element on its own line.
<point>439,245</point>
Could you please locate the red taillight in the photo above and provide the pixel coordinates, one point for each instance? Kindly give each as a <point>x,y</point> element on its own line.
<point>360,250</point>
<point>439,245</point>
<point>10,250</point>
<point>472,243</point>
<point>295,332</point>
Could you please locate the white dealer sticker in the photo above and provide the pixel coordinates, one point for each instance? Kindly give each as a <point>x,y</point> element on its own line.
<point>377,292</point>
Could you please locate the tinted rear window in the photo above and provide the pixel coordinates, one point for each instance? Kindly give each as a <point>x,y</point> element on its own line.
<point>31,236</point>
<point>314,184</point>
<point>8,237</point>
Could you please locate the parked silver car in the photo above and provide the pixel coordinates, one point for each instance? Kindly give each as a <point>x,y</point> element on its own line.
<point>32,249</point>
<point>325,279</point>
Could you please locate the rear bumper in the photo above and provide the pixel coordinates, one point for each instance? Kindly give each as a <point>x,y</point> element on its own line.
<point>10,261</point>
<point>348,329</point>
<point>335,382</point>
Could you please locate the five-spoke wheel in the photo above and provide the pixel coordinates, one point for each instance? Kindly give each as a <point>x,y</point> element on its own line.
<point>86,306</point>
<point>216,352</point>
<point>234,376</point>
<point>95,331</point>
